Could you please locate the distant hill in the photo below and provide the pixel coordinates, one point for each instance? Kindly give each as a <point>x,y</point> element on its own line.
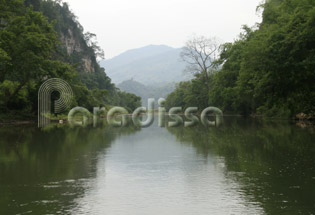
<point>149,65</point>
<point>146,92</point>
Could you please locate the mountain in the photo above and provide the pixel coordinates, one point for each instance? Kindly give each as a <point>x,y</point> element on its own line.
<point>146,92</point>
<point>134,55</point>
<point>149,65</point>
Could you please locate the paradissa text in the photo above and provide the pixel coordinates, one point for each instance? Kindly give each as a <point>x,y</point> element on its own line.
<point>118,116</point>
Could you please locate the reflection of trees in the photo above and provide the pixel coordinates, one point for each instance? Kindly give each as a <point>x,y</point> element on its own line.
<point>276,161</point>
<point>49,165</point>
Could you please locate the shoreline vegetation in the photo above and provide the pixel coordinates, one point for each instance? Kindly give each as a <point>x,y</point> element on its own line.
<point>301,120</point>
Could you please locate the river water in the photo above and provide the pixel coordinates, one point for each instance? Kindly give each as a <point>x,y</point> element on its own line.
<point>241,167</point>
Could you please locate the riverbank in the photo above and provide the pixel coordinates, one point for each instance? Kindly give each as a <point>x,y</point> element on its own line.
<point>22,119</point>
<point>15,118</point>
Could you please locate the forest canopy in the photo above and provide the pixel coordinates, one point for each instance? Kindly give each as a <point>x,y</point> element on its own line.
<point>269,70</point>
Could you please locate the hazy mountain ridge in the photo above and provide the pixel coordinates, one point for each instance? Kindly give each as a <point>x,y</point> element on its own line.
<point>146,92</point>
<point>153,64</point>
<point>132,55</point>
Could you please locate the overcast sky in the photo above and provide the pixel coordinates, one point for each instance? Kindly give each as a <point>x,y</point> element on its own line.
<point>127,24</point>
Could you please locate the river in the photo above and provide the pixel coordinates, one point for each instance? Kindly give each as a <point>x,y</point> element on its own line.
<point>242,167</point>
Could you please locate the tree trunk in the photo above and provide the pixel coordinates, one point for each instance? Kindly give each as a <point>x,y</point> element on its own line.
<point>207,80</point>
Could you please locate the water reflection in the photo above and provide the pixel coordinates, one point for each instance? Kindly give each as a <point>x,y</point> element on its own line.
<point>152,173</point>
<point>43,172</point>
<point>273,162</point>
<point>243,167</point>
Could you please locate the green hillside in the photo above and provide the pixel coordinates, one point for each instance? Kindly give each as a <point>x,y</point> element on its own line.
<point>41,40</point>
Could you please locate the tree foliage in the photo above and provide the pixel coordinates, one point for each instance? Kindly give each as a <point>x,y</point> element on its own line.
<point>269,70</point>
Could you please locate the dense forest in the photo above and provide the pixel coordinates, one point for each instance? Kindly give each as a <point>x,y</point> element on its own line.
<point>41,40</point>
<point>269,70</point>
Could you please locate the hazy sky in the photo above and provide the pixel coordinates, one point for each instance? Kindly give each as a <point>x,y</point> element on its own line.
<point>126,24</point>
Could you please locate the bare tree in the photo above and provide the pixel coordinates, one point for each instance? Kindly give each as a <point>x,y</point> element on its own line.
<point>200,54</point>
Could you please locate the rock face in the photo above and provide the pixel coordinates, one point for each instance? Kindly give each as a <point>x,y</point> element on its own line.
<point>73,47</point>
<point>70,43</point>
<point>87,65</point>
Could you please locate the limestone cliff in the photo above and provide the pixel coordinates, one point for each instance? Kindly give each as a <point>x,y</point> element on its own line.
<point>75,48</point>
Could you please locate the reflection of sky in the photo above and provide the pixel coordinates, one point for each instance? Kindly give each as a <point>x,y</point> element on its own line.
<point>152,173</point>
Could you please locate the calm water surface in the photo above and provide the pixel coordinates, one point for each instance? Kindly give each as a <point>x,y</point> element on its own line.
<point>243,167</point>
